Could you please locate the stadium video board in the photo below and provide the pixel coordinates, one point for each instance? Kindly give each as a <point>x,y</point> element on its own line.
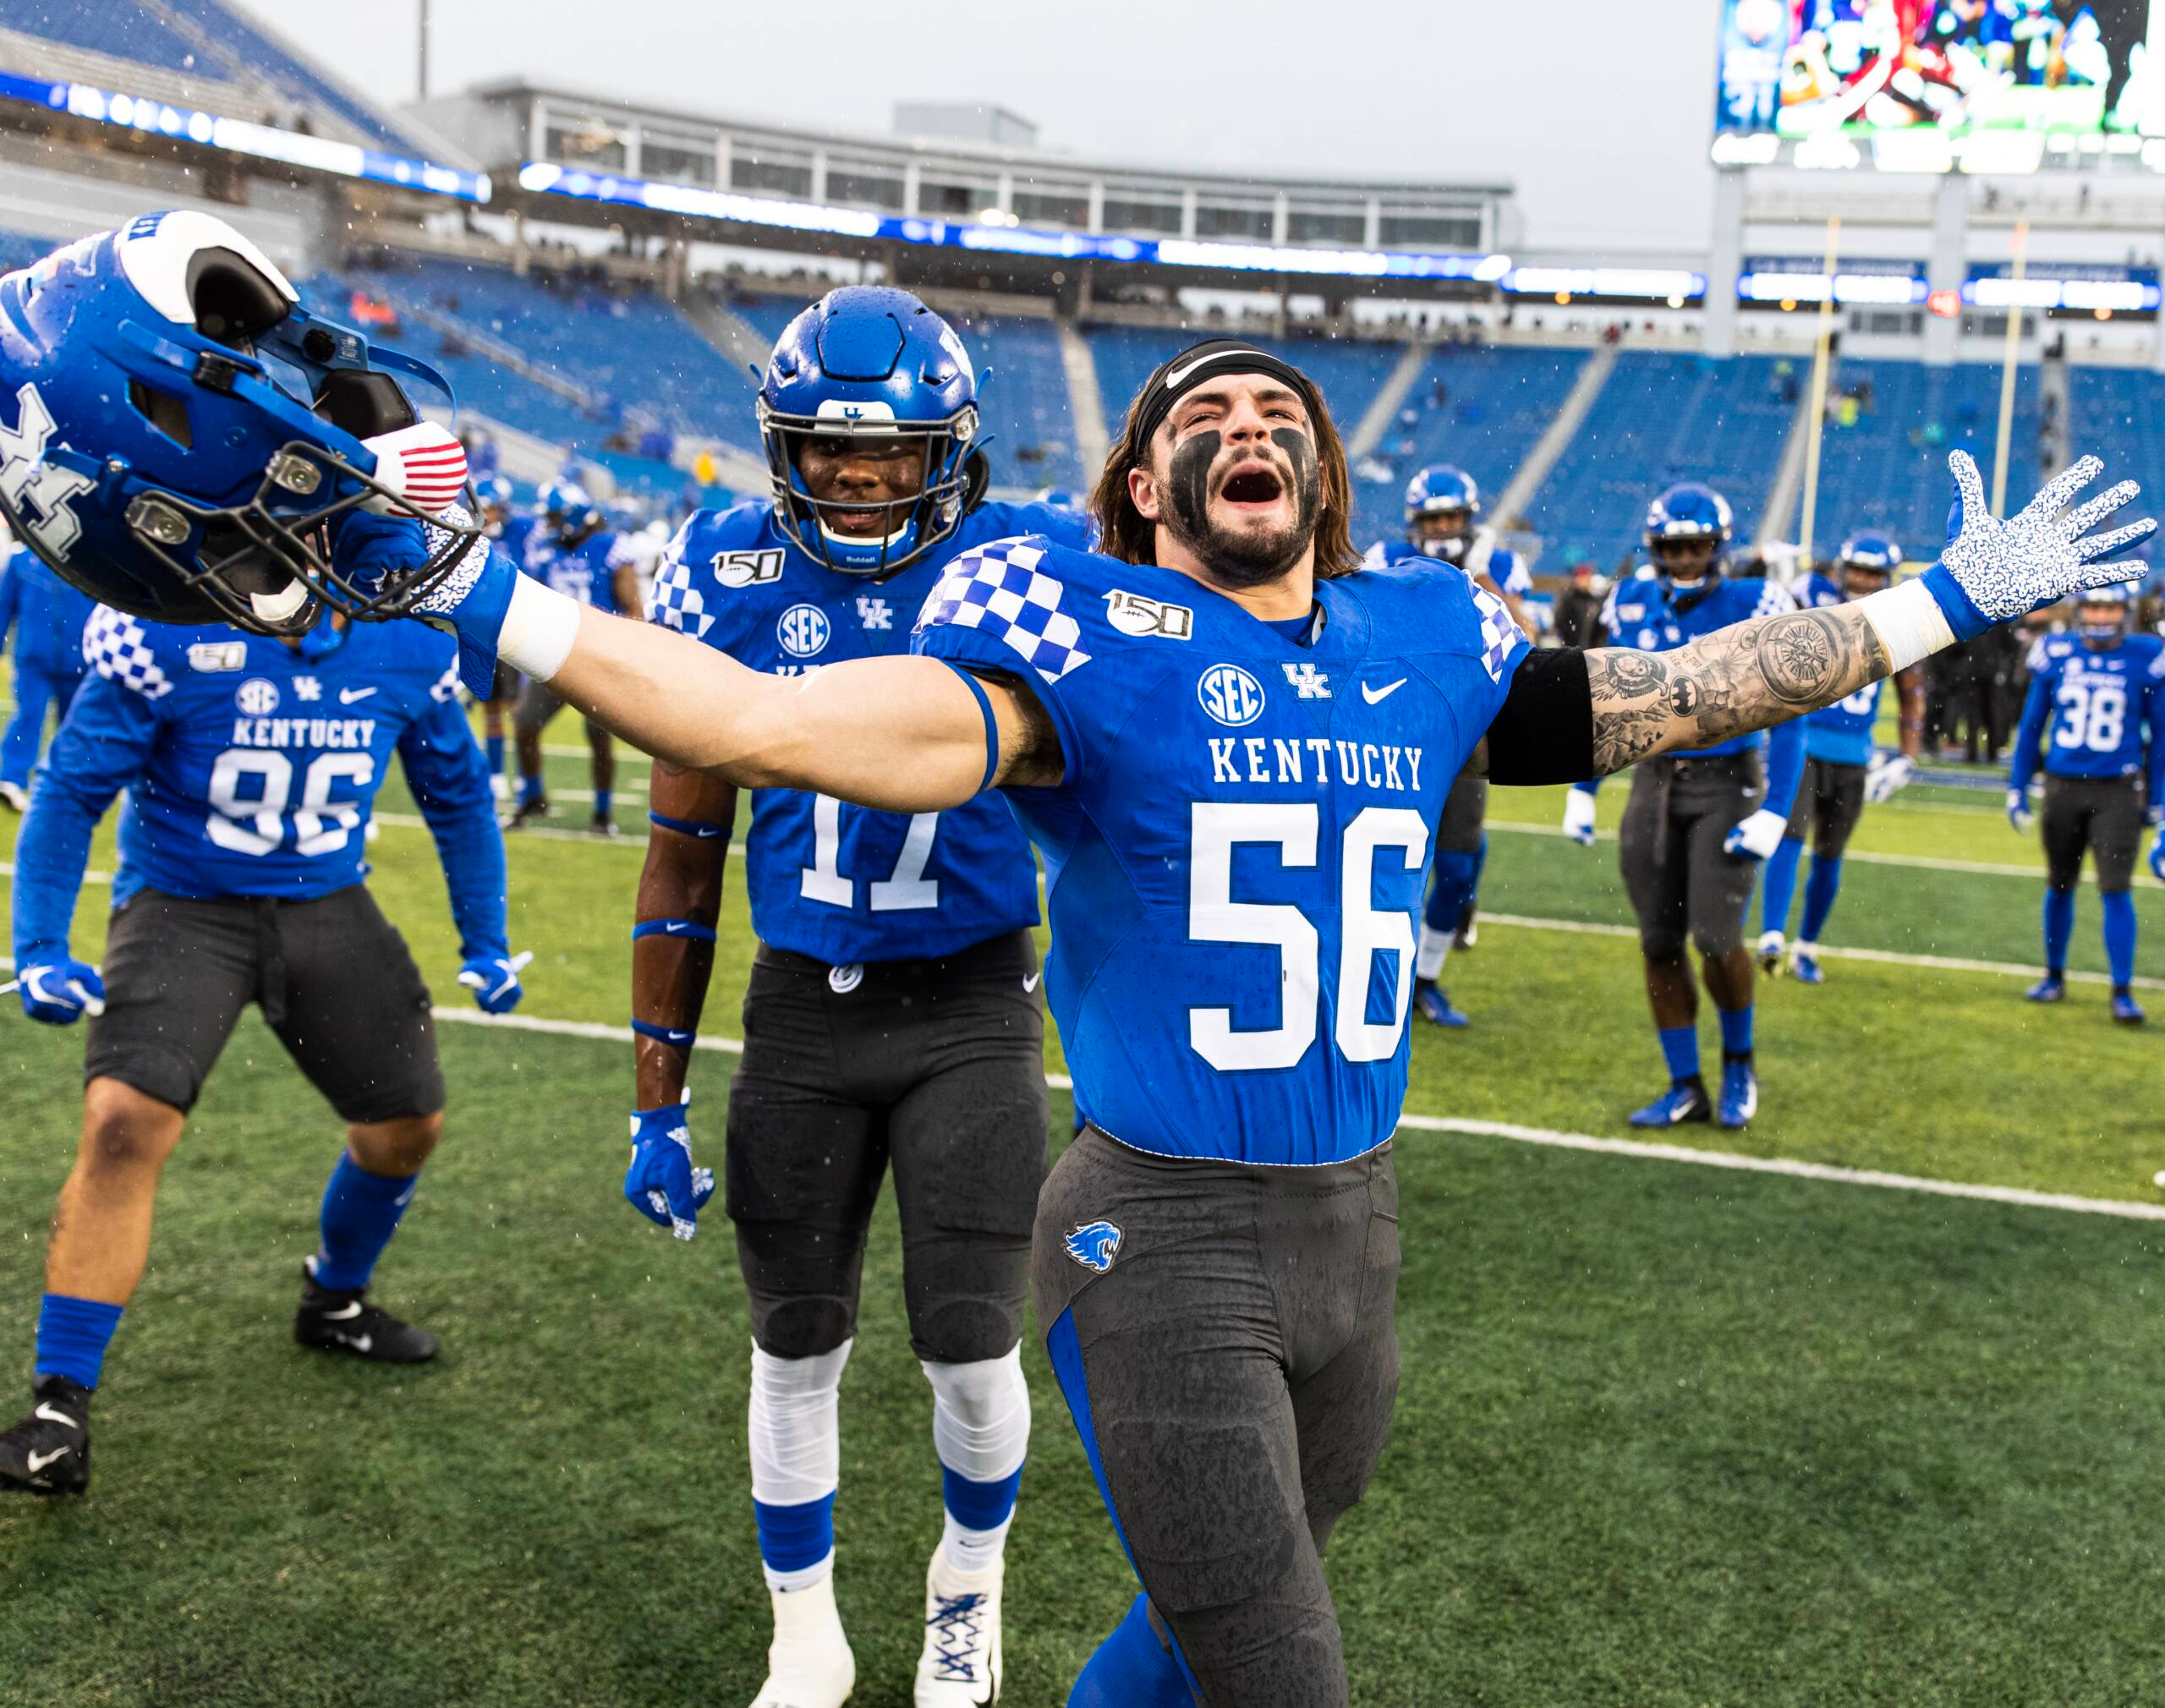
<point>2040,75</point>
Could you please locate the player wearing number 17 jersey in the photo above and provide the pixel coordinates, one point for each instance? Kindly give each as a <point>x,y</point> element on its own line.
<point>892,1015</point>
<point>2101,694</point>
<point>251,766</point>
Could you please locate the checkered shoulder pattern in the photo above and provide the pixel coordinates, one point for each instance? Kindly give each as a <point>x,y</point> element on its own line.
<point>671,600</point>
<point>999,589</point>
<point>1499,633</point>
<point>1773,599</point>
<point>115,646</point>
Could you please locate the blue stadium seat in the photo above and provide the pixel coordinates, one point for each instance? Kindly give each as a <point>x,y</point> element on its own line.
<point>115,28</point>
<point>2119,414</point>
<point>1024,402</point>
<point>1660,418</point>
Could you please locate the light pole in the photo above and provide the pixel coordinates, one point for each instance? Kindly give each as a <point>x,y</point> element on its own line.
<point>422,76</point>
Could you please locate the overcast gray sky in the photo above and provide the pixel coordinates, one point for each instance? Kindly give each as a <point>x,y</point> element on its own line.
<point>1598,111</point>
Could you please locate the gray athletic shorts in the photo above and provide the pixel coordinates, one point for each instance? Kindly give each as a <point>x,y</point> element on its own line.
<point>937,1066</point>
<point>1229,1353</point>
<point>1829,801</point>
<point>536,704</point>
<point>2101,814</point>
<point>1680,881</point>
<point>333,977</point>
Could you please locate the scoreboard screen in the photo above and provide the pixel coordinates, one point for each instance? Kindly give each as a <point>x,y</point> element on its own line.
<point>2058,71</point>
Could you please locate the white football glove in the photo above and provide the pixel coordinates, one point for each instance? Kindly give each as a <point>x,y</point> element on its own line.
<point>1578,817</point>
<point>2018,815</point>
<point>1758,836</point>
<point>1993,572</point>
<point>1886,775</point>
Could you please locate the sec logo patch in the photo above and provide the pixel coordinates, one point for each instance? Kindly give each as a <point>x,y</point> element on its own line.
<point>257,697</point>
<point>803,630</point>
<point>1231,695</point>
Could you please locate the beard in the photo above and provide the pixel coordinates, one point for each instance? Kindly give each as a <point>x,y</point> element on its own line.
<point>1244,558</point>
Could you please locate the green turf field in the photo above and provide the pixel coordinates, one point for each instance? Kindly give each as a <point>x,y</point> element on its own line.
<point>1668,1435</point>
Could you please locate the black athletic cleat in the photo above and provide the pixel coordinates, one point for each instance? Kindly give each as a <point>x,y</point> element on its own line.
<point>526,812</point>
<point>49,1452</point>
<point>601,824</point>
<point>347,1323</point>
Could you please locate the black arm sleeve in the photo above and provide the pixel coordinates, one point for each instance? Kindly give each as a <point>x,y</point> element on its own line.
<point>1544,734</point>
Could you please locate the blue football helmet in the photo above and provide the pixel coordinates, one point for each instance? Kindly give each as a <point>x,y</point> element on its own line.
<point>1867,554</point>
<point>1443,502</point>
<point>1688,510</point>
<point>185,434</point>
<point>2102,614</point>
<point>493,493</point>
<point>868,364</point>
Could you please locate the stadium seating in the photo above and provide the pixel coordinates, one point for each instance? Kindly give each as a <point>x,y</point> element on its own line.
<point>241,43</point>
<point>1482,407</point>
<point>2116,412</point>
<point>120,31</point>
<point>1889,469</point>
<point>1660,418</point>
<point>1024,402</point>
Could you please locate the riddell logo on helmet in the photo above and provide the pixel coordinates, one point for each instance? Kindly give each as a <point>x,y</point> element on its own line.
<point>38,494</point>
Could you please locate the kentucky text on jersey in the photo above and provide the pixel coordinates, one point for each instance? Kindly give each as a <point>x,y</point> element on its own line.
<point>839,883</point>
<point>1236,854</point>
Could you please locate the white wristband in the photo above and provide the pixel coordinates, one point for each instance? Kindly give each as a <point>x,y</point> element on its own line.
<point>539,626</point>
<point>1909,622</point>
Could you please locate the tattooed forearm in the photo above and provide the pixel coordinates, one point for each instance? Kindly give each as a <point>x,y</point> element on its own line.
<point>1728,684</point>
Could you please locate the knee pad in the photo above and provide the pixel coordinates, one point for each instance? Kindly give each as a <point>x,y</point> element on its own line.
<point>1714,942</point>
<point>981,1417</point>
<point>1661,942</point>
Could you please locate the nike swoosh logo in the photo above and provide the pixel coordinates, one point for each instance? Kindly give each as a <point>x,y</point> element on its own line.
<point>675,928</point>
<point>1179,375</point>
<point>344,1313</point>
<point>347,696</point>
<point>46,1411</point>
<point>38,1461</point>
<point>1377,696</point>
<point>1031,983</point>
<point>359,1345</point>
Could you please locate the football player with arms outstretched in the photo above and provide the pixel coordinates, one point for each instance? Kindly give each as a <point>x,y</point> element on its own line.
<point>893,1016</point>
<point>2100,692</point>
<point>251,761</point>
<point>1700,819</point>
<point>1236,869</point>
<point>1842,772</point>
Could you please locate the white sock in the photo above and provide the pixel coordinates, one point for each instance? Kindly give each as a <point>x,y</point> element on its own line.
<point>1435,949</point>
<point>973,1551</point>
<point>795,1444</point>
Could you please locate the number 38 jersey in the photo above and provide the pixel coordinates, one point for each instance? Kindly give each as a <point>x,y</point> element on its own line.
<point>252,767</point>
<point>1237,851</point>
<point>844,883</point>
<point>2100,709</point>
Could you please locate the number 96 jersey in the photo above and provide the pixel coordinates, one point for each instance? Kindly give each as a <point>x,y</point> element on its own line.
<point>844,883</point>
<point>1237,851</point>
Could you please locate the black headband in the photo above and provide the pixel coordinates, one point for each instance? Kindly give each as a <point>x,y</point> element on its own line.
<point>1180,374</point>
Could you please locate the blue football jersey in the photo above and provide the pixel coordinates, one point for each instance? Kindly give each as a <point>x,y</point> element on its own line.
<point>1503,565</point>
<point>251,766</point>
<point>1645,612</point>
<point>583,571</point>
<point>843,884</point>
<point>1237,852</point>
<point>1839,734</point>
<point>2097,712</point>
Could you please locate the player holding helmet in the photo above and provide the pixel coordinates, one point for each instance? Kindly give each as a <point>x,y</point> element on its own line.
<point>1235,874</point>
<point>1841,771</point>
<point>2103,691</point>
<point>891,1016</point>
<point>1700,819</point>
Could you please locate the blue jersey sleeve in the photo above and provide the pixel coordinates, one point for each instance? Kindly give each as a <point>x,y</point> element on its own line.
<point>1784,765</point>
<point>2036,708</point>
<point>102,747</point>
<point>449,777</point>
<point>2153,703</point>
<point>11,595</point>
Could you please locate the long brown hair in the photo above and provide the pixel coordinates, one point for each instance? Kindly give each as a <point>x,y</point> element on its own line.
<point>1124,533</point>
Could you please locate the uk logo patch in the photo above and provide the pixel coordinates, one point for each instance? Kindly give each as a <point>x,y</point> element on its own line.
<point>1308,682</point>
<point>1094,1246</point>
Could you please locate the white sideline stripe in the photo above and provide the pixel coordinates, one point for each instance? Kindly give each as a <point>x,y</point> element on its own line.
<point>1504,1129</point>
<point>1941,963</point>
<point>1922,862</point>
<point>7,870</point>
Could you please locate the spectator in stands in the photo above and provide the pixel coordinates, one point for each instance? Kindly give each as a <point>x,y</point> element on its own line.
<point>1578,606</point>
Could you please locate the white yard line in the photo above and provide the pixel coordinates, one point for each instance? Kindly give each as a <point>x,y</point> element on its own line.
<point>1631,1148</point>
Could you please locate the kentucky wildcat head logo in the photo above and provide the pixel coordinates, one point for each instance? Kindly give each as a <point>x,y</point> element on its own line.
<point>1093,1245</point>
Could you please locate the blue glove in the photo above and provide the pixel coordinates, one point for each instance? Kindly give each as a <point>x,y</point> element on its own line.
<point>661,1183</point>
<point>493,977</point>
<point>58,989</point>
<point>471,601</point>
<point>1993,572</point>
<point>2018,815</point>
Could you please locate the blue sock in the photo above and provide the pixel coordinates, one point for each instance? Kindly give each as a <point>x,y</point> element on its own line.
<point>1131,1669</point>
<point>72,1337</point>
<point>794,1538</point>
<point>494,747</point>
<point>360,1213</point>
<point>1736,1030</point>
<point>1455,876</point>
<point>1819,890</point>
<point>2060,926</point>
<point>2119,938</point>
<point>980,1506</point>
<point>1680,1048</point>
<point>1480,865</point>
<point>601,802</point>
<point>530,789</point>
<point>1780,880</point>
